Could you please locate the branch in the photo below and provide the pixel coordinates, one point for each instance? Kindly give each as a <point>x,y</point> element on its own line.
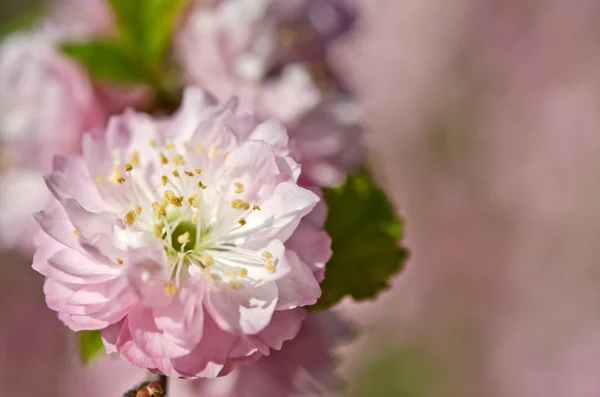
<point>155,386</point>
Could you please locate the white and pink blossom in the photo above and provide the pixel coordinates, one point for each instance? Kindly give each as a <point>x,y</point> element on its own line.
<point>46,103</point>
<point>275,55</point>
<point>175,238</point>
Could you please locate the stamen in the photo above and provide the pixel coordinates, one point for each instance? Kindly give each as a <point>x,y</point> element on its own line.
<point>164,179</point>
<point>121,180</point>
<point>188,173</point>
<point>157,231</point>
<point>99,178</point>
<point>239,188</point>
<point>194,218</point>
<point>176,174</point>
<point>169,146</point>
<point>134,158</point>
<point>75,232</point>
<point>119,261</point>
<point>270,267</point>
<point>255,207</point>
<point>170,289</point>
<point>164,159</point>
<point>194,200</point>
<point>242,221</point>
<point>198,171</point>
<point>207,260</point>
<point>212,150</point>
<point>153,143</point>
<point>115,175</point>
<point>138,209</point>
<point>178,159</point>
<point>234,285</point>
<point>201,185</point>
<point>129,218</point>
<point>267,255</point>
<point>128,167</point>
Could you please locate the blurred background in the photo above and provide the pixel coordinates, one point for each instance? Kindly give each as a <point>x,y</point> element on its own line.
<point>482,123</point>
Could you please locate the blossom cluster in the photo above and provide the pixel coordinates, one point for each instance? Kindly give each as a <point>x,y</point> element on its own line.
<point>192,240</point>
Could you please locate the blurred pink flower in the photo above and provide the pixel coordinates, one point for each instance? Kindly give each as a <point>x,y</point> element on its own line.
<point>185,269</point>
<point>274,56</point>
<point>304,365</point>
<point>46,103</point>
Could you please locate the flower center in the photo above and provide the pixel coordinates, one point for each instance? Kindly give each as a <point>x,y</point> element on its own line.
<point>199,225</point>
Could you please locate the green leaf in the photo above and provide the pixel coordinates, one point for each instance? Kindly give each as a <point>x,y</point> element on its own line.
<point>146,26</point>
<point>105,60</point>
<point>90,345</point>
<point>365,232</point>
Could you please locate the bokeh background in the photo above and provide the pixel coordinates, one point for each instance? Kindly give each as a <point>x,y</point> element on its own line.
<point>482,123</point>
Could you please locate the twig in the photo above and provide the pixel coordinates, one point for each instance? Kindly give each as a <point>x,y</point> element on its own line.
<point>155,386</point>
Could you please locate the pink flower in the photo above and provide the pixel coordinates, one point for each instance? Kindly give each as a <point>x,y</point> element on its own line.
<point>304,365</point>
<point>173,236</point>
<point>273,55</point>
<point>46,103</point>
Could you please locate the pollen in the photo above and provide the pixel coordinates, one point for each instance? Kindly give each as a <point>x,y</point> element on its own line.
<point>194,200</point>
<point>138,209</point>
<point>128,167</point>
<point>121,180</point>
<point>239,188</point>
<point>201,185</point>
<point>164,159</point>
<point>255,207</point>
<point>119,261</point>
<point>270,267</point>
<point>198,171</point>
<point>176,174</point>
<point>157,231</point>
<point>129,218</point>
<point>212,150</point>
<point>184,238</point>
<point>178,159</point>
<point>164,179</point>
<point>170,289</point>
<point>189,173</point>
<point>242,221</point>
<point>134,158</point>
<point>267,255</point>
<point>115,175</point>
<point>207,260</point>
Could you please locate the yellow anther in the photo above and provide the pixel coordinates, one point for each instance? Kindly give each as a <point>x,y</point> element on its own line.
<point>169,146</point>
<point>239,188</point>
<point>267,255</point>
<point>237,203</point>
<point>159,211</point>
<point>201,185</point>
<point>198,171</point>
<point>207,260</point>
<point>234,285</point>
<point>164,179</point>
<point>134,158</point>
<point>176,174</point>
<point>153,142</point>
<point>129,218</point>
<point>212,150</point>
<point>242,221</point>
<point>188,173</point>
<point>128,167</point>
<point>75,232</point>
<point>200,149</point>
<point>119,261</point>
<point>194,200</point>
<point>178,159</point>
<point>121,180</point>
<point>164,159</point>
<point>138,209</point>
<point>99,178</point>
<point>169,195</point>
<point>270,267</point>
<point>255,207</point>
<point>194,218</point>
<point>183,238</point>
<point>163,203</point>
<point>242,272</point>
<point>170,289</point>
<point>157,231</point>
<point>115,175</point>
